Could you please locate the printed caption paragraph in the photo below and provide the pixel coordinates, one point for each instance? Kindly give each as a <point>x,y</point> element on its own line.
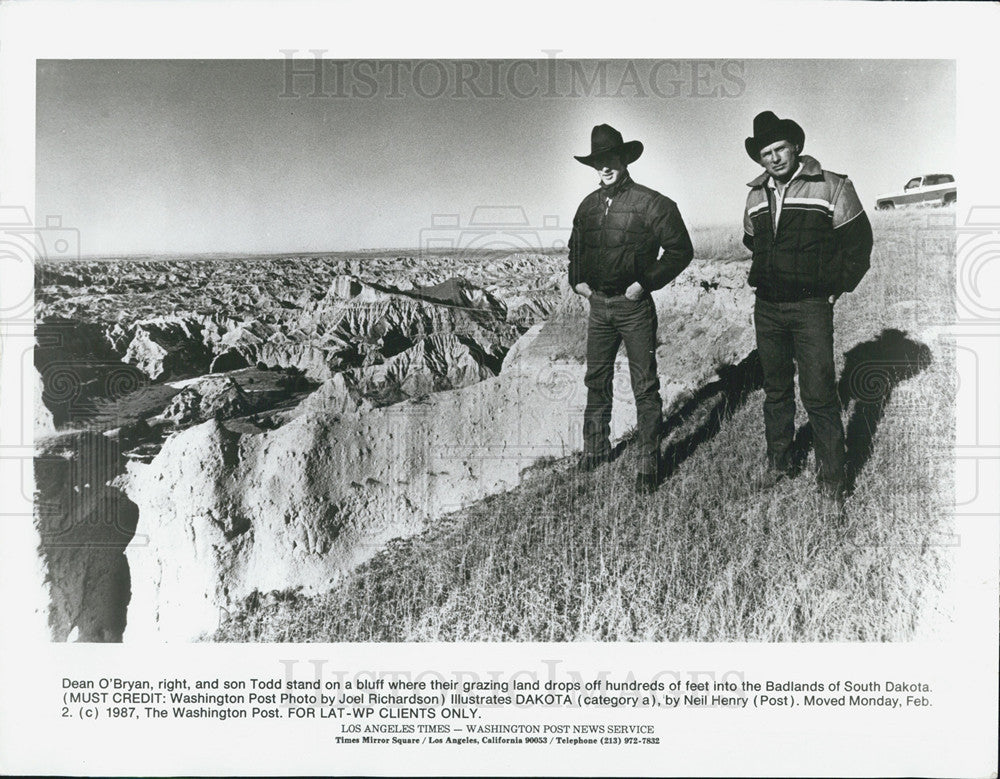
<point>399,710</point>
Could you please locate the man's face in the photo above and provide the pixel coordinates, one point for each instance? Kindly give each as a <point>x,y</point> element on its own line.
<point>780,159</point>
<point>610,168</point>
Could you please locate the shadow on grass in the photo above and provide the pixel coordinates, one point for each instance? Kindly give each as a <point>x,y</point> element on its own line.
<point>801,445</point>
<point>734,386</point>
<point>871,371</point>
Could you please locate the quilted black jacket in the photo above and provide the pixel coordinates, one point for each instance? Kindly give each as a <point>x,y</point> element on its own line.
<point>613,246</point>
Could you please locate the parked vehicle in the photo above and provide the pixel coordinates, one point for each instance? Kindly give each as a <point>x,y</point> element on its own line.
<point>933,189</point>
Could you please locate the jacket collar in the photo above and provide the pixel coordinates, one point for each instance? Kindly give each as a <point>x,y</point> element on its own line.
<point>811,169</point>
<point>619,186</point>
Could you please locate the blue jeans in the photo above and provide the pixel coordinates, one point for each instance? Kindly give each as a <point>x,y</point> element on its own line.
<point>614,320</point>
<point>800,331</point>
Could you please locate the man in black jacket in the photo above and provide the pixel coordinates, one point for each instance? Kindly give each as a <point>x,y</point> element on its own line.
<point>615,262</point>
<point>811,242</point>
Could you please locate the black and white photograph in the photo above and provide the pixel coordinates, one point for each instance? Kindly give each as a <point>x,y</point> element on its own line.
<point>502,358</point>
<point>345,362</point>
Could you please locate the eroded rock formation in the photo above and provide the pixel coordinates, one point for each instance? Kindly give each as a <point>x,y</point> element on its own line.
<point>117,377</point>
<point>227,513</point>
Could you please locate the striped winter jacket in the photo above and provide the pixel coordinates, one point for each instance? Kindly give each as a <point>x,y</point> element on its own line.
<point>823,242</point>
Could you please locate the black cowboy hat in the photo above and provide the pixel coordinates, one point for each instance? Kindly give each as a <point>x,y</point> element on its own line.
<point>768,129</point>
<point>605,140</point>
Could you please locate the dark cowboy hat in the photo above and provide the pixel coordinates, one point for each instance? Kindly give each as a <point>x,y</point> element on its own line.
<point>605,140</point>
<point>768,129</point>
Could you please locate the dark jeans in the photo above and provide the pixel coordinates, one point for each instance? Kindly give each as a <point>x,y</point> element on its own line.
<point>613,320</point>
<point>801,330</point>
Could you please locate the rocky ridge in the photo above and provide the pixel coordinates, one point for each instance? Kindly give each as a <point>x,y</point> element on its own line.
<point>228,513</point>
<point>116,377</point>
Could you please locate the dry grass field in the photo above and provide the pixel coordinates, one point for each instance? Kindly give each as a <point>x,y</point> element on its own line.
<point>709,556</point>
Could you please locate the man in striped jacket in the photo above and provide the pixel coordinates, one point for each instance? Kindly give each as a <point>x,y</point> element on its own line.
<point>811,242</point>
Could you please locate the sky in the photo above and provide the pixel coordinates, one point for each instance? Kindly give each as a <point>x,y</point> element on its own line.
<point>236,156</point>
